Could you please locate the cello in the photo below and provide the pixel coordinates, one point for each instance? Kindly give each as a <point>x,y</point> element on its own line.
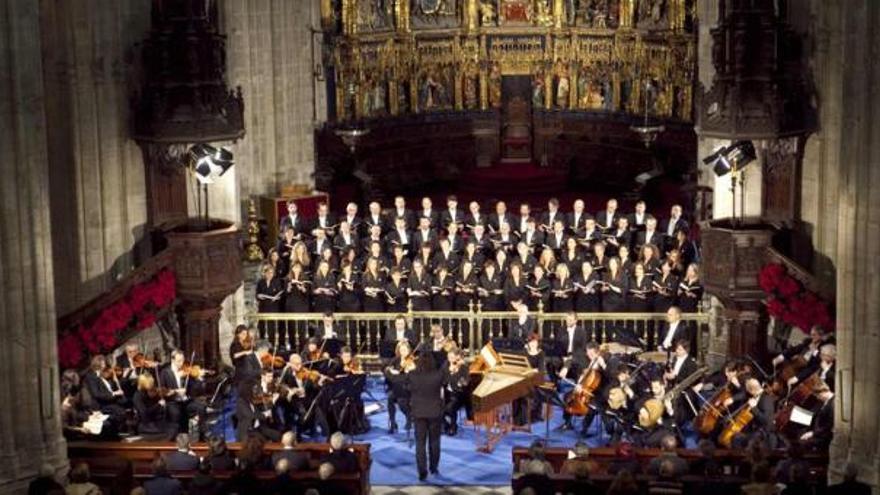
<point>712,411</point>
<point>735,425</point>
<point>578,402</point>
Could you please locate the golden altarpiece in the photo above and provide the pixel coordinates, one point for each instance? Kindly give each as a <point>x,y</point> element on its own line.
<point>399,57</point>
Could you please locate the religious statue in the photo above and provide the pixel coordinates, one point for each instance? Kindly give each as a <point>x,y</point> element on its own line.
<point>487,13</point>
<point>516,10</point>
<point>538,90</point>
<point>471,96</point>
<point>563,86</point>
<point>434,94</point>
<point>542,14</point>
<point>495,87</point>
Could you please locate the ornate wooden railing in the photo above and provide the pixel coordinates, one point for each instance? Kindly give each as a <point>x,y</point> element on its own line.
<point>471,329</point>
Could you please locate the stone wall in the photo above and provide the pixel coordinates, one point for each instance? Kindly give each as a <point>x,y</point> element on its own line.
<point>98,195</point>
<point>30,427</point>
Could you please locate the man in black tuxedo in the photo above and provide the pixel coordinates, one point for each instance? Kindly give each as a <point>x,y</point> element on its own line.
<point>577,219</point>
<point>549,217</point>
<point>639,217</point>
<point>672,225</point>
<point>532,237</point>
<point>822,426</point>
<point>682,365</point>
<point>500,216</point>
<point>523,326</point>
<point>672,331</point>
<point>293,219</point>
<point>401,211</point>
<point>375,217</point>
<point>424,235</point>
<point>425,384</point>
<point>430,213</point>
<point>325,220</point>
<point>573,340</point>
<point>649,235</point>
<point>400,332</point>
<point>452,214</point>
<point>607,218</point>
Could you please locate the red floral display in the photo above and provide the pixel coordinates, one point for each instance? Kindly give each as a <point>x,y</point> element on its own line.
<point>789,302</point>
<point>136,311</point>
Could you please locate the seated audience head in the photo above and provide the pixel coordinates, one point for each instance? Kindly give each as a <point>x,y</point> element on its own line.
<point>288,439</point>
<point>851,472</point>
<point>667,469</point>
<point>159,466</point>
<point>536,450</point>
<point>282,466</point>
<point>183,442</point>
<point>216,445</point>
<point>79,473</point>
<point>326,471</point>
<point>338,441</point>
<point>668,443</point>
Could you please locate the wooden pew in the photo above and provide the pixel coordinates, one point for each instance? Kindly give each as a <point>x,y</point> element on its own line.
<point>104,459</point>
<point>730,462</point>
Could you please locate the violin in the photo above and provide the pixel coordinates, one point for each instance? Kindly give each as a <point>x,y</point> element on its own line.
<point>141,361</point>
<point>247,343</point>
<point>736,425</point>
<point>266,398</point>
<point>157,393</point>
<point>269,361</point>
<point>408,363</point>
<point>354,367</point>
<point>194,371</point>
<point>309,374</point>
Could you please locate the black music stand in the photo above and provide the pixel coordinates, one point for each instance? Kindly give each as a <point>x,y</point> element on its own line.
<point>333,346</point>
<point>549,397</point>
<point>346,389</point>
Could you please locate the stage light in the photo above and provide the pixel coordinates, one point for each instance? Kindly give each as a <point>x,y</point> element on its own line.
<point>732,158</point>
<point>209,162</point>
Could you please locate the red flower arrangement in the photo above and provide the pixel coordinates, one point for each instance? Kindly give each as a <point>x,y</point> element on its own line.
<point>137,310</point>
<point>789,302</point>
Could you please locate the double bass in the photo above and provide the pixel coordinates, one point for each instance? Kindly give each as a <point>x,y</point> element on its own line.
<point>735,425</point>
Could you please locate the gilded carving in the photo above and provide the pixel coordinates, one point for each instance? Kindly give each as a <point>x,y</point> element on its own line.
<point>393,57</point>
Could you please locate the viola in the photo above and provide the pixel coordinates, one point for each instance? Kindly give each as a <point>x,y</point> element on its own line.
<point>309,374</point>
<point>270,361</point>
<point>194,371</point>
<point>141,361</point>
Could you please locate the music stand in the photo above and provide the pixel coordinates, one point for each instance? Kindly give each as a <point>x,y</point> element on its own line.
<point>548,397</point>
<point>348,389</point>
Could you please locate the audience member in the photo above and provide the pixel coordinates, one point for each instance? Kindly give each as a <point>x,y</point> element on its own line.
<point>538,484</point>
<point>162,483</point>
<point>794,456</point>
<point>253,453</point>
<point>580,466</point>
<point>668,444</point>
<point>244,481</point>
<point>204,483</point>
<point>80,483</point>
<point>537,462</point>
<point>850,484</point>
<point>182,459</point>
<point>797,483</point>
<point>761,483</point>
<point>219,456</point>
<point>283,484</point>
<point>706,465</point>
<point>298,460</point>
<point>45,482</point>
<point>625,460</point>
<point>756,453</point>
<point>666,482</point>
<point>341,456</point>
<point>123,481</point>
<point>624,483</point>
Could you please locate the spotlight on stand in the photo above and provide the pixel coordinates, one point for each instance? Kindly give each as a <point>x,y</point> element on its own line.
<point>209,162</point>
<point>731,158</point>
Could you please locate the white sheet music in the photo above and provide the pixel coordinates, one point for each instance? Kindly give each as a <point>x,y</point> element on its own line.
<point>488,357</point>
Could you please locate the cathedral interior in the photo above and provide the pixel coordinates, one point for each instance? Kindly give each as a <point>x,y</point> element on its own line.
<point>154,154</point>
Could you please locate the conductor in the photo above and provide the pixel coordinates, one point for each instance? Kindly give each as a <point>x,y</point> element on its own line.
<point>425,384</point>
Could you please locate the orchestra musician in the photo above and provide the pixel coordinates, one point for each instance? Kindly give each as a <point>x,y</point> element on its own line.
<point>761,408</point>
<point>656,416</point>
<point>398,396</point>
<point>349,412</point>
<point>299,386</point>
<point>818,437</point>
<point>572,338</point>
<point>242,353</point>
<point>807,352</point>
<point>524,325</point>
<point>455,394</point>
<point>591,361</point>
<point>255,408</point>
<point>530,410</point>
<point>680,366</point>
<point>400,332</point>
<point>150,404</point>
<point>673,331</point>
<point>102,384</point>
<point>184,382</point>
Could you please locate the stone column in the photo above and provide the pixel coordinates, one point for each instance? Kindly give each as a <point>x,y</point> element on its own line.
<point>30,428</point>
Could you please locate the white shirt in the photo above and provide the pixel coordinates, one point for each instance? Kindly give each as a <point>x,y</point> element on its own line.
<point>670,229</point>
<point>376,220</point>
<point>570,331</point>
<point>322,221</point>
<point>824,372</point>
<point>349,219</point>
<point>609,218</point>
<point>292,219</point>
<point>679,362</point>
<point>640,218</point>
<point>649,234</point>
<point>522,319</point>
<point>403,238</point>
<point>523,224</point>
<point>329,333</point>
<point>401,334</point>
<point>667,339</point>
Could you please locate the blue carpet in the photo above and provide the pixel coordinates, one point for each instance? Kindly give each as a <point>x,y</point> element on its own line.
<point>394,460</point>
